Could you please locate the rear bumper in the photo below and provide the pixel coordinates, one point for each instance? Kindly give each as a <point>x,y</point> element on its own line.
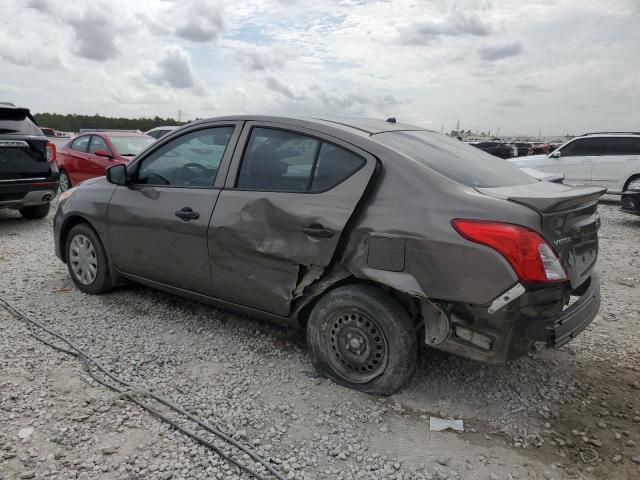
<point>510,333</point>
<point>630,202</point>
<point>18,195</point>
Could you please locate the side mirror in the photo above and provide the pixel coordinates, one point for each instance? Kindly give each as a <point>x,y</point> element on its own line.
<point>101,152</point>
<point>555,154</point>
<point>117,175</point>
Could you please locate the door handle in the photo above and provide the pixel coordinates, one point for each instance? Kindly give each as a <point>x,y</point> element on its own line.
<point>317,230</point>
<point>187,214</point>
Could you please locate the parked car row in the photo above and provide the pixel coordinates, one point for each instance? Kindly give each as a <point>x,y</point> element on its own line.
<point>610,160</point>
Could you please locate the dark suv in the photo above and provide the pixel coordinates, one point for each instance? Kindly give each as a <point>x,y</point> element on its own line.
<point>28,173</point>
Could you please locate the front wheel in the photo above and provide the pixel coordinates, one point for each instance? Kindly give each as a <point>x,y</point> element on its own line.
<point>35,212</point>
<point>64,181</point>
<point>87,260</point>
<point>363,339</point>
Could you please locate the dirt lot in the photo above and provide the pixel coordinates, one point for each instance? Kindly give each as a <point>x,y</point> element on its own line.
<point>573,413</point>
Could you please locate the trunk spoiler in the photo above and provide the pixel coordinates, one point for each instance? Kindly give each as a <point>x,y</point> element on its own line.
<point>546,197</point>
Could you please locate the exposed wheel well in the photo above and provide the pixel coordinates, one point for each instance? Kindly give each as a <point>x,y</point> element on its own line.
<point>410,304</point>
<point>631,179</point>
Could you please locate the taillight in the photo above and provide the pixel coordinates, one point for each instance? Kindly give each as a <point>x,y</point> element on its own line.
<point>530,256</point>
<point>51,152</point>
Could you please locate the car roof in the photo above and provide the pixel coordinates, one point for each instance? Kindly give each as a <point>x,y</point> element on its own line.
<point>116,134</point>
<point>365,126</point>
<point>164,127</point>
<point>609,134</point>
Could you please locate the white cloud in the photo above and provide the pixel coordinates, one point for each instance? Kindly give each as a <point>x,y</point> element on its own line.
<point>202,20</point>
<point>500,51</point>
<point>96,31</point>
<point>173,70</point>
<point>455,24</point>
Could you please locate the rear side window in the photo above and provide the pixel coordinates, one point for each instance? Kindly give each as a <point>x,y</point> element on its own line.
<point>623,146</point>
<point>585,147</point>
<point>454,159</point>
<point>279,160</point>
<point>17,120</point>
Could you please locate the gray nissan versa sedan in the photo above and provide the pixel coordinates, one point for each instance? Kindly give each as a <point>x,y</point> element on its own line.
<point>372,235</point>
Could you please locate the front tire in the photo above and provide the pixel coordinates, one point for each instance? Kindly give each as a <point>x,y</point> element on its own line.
<point>64,181</point>
<point>363,339</point>
<point>87,260</point>
<point>35,212</point>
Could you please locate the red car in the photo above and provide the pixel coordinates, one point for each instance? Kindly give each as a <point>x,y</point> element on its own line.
<point>90,154</point>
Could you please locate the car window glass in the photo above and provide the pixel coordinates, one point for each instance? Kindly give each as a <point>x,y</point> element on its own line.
<point>334,165</point>
<point>191,160</point>
<point>623,146</point>
<point>81,143</point>
<point>585,147</point>
<point>97,143</point>
<point>277,160</point>
<point>454,159</point>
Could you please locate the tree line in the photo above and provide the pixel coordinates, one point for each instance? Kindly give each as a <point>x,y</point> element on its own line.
<point>73,122</point>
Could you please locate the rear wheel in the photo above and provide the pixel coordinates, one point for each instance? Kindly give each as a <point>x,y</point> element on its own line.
<point>362,339</point>
<point>87,260</point>
<point>65,181</point>
<point>35,212</point>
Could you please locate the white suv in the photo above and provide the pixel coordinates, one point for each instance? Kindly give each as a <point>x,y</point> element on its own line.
<point>608,159</point>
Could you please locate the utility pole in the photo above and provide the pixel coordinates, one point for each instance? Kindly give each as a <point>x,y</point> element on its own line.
<point>180,115</point>
<point>458,127</point>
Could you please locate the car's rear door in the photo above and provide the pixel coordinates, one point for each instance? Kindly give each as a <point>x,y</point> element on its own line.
<point>619,162</point>
<point>157,226</point>
<point>288,198</point>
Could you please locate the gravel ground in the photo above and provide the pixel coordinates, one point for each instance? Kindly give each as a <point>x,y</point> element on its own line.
<point>572,413</point>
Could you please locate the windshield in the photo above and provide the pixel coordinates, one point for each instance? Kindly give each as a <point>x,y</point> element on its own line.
<point>455,159</point>
<point>131,145</point>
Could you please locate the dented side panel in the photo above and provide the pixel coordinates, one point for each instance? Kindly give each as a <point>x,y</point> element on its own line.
<point>260,257</point>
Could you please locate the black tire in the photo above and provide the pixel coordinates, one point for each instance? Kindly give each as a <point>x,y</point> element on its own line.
<point>102,281</point>
<point>64,183</point>
<point>380,364</point>
<point>35,212</point>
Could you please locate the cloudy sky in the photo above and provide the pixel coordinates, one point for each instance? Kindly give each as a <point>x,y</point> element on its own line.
<point>521,66</point>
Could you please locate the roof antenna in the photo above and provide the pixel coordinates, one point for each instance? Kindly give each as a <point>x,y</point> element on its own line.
<point>391,119</point>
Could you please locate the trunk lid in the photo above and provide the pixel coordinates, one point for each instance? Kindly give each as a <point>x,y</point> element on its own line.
<point>23,147</point>
<point>23,158</point>
<point>570,221</point>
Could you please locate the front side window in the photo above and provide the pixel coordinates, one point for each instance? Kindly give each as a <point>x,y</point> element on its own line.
<point>97,143</point>
<point>81,143</point>
<point>279,160</point>
<point>191,160</point>
<point>585,147</point>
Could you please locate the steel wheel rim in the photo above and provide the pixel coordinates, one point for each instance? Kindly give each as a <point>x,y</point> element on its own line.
<point>358,348</point>
<point>83,259</point>
<point>64,182</point>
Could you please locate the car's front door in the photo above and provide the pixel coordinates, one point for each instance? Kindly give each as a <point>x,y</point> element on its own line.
<point>620,161</point>
<point>158,225</point>
<point>96,166</point>
<point>287,200</point>
<point>575,160</point>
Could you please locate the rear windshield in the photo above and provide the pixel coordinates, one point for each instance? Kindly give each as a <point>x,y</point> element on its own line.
<point>455,159</point>
<point>131,146</point>
<point>17,121</point>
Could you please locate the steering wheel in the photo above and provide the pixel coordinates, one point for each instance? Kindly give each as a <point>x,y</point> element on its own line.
<point>197,180</point>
